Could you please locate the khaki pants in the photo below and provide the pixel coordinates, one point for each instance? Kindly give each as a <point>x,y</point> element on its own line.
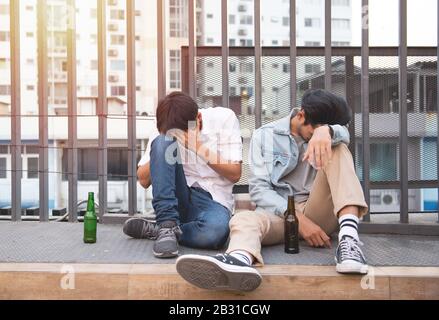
<point>335,187</point>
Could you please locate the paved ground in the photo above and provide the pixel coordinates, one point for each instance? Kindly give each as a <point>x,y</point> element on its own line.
<point>61,242</point>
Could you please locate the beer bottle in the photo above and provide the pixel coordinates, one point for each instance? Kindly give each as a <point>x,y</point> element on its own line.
<point>90,220</point>
<point>291,228</point>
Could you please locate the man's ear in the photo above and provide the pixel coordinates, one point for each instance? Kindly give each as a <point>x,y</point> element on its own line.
<point>200,120</point>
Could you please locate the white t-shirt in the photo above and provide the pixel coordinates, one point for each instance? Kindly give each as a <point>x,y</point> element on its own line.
<point>221,133</point>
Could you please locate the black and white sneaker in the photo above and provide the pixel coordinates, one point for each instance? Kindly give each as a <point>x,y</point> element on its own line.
<point>141,228</point>
<point>220,272</point>
<point>349,257</point>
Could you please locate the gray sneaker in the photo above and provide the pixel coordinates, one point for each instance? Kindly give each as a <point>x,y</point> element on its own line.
<point>141,228</point>
<point>166,245</point>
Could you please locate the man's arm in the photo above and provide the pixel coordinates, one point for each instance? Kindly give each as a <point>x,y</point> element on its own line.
<point>231,170</point>
<point>260,187</point>
<point>319,151</point>
<point>144,175</point>
<point>340,135</point>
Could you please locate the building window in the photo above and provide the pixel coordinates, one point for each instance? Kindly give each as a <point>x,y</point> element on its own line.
<point>3,172</point>
<point>117,39</point>
<point>232,67</point>
<point>178,17</point>
<point>5,90</point>
<point>209,89</point>
<point>312,68</point>
<point>174,69</point>
<point>118,91</point>
<point>383,161</point>
<point>246,19</point>
<point>4,63</point>
<point>341,3</point>
<point>286,21</point>
<point>30,88</point>
<point>4,9</point>
<point>286,68</point>
<point>312,44</point>
<point>209,16</point>
<point>232,19</point>
<point>210,65</point>
<point>117,65</point>
<point>312,22</point>
<point>232,42</point>
<point>117,14</point>
<point>246,67</point>
<point>340,43</point>
<point>88,164</point>
<point>274,42</point>
<point>29,34</point>
<point>4,36</point>
<point>32,168</point>
<point>341,23</point>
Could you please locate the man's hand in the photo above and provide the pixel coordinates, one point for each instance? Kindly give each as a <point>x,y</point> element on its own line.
<point>319,151</point>
<point>312,233</point>
<point>189,139</point>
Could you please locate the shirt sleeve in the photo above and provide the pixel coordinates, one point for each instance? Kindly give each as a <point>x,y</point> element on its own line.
<point>146,157</point>
<point>230,140</point>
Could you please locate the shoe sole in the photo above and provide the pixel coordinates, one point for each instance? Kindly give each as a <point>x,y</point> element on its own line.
<point>133,228</point>
<point>352,268</point>
<point>165,255</point>
<point>208,273</point>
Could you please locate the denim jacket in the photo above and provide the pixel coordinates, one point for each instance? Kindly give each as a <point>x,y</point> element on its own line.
<point>273,155</point>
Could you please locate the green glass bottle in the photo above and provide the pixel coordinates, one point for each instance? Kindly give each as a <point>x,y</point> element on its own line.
<point>90,220</point>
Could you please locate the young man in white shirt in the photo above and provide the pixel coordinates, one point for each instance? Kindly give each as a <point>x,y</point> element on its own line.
<point>191,164</point>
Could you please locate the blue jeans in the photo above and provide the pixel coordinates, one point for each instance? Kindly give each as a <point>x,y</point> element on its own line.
<point>203,221</point>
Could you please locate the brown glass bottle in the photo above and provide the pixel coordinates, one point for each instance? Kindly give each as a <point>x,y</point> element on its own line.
<point>291,228</point>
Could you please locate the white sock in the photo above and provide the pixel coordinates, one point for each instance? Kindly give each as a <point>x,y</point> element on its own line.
<point>243,256</point>
<point>348,226</point>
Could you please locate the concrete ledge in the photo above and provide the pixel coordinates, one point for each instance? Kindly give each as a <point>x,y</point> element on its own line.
<point>157,282</point>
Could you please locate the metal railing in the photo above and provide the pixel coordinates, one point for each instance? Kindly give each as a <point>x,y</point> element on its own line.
<point>189,73</point>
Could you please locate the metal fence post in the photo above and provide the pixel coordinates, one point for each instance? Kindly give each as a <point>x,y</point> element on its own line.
<point>293,55</point>
<point>43,164</point>
<point>328,45</point>
<point>224,54</point>
<point>403,150</point>
<point>365,103</point>
<point>102,107</point>
<point>258,71</point>
<point>16,166</point>
<point>131,95</point>
<point>161,54</point>
<point>192,51</point>
<point>72,113</point>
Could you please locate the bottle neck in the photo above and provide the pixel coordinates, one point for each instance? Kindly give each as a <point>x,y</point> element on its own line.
<point>291,206</point>
<point>90,203</point>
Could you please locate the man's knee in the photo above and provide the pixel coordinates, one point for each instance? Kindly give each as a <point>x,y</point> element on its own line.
<point>212,235</point>
<point>165,147</point>
<point>249,219</point>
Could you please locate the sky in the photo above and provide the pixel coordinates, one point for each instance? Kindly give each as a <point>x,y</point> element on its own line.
<point>383,15</point>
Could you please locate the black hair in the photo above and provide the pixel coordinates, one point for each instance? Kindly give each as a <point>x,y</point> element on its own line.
<point>323,107</point>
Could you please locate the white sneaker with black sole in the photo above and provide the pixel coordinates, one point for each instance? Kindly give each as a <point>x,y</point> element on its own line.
<point>220,272</point>
<point>349,257</point>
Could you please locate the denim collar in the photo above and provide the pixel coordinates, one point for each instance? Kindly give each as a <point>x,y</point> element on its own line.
<point>283,126</point>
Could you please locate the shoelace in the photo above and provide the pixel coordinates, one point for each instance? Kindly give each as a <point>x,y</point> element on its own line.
<point>222,256</point>
<point>169,232</point>
<point>350,250</point>
<point>149,229</point>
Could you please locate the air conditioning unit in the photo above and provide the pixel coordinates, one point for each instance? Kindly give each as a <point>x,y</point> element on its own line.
<point>113,78</point>
<point>242,32</point>
<point>113,27</point>
<point>113,53</point>
<point>389,198</point>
